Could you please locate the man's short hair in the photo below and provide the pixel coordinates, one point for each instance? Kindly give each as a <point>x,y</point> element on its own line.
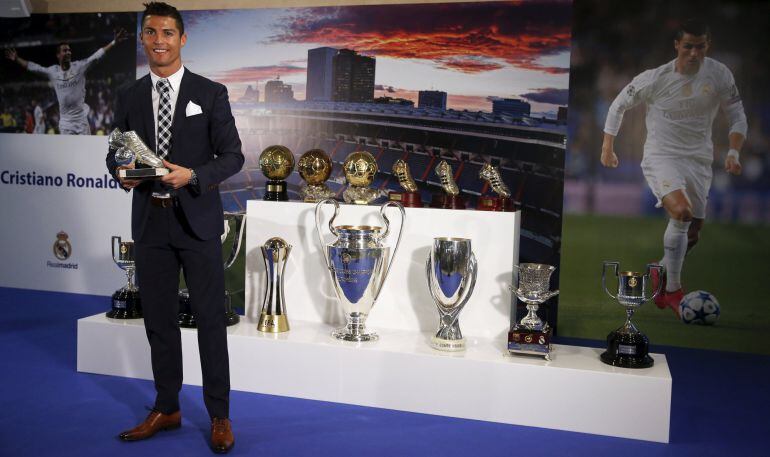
<point>693,26</point>
<point>163,9</point>
<point>62,43</point>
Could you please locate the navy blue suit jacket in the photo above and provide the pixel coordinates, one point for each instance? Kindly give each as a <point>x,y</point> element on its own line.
<point>207,142</point>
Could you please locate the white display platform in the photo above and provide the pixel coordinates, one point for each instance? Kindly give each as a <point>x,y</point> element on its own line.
<point>574,392</point>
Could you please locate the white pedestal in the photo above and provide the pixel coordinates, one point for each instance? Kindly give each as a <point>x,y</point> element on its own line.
<point>574,392</point>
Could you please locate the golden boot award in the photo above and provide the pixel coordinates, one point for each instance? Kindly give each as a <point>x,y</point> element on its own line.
<point>360,168</point>
<point>276,163</point>
<point>315,167</point>
<point>500,202</point>
<point>410,197</point>
<point>451,198</point>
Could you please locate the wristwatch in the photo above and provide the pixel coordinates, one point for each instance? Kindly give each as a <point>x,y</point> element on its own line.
<point>193,178</point>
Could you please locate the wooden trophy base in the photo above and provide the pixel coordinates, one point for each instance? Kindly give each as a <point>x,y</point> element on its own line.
<point>447,201</point>
<point>496,203</point>
<point>407,199</point>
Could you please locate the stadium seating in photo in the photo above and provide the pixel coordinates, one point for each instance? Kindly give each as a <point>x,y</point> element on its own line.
<point>469,180</point>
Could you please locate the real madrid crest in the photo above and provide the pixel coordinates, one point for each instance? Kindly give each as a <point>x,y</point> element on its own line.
<point>62,249</point>
<point>632,282</point>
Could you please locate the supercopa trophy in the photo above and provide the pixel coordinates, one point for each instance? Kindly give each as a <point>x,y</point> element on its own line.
<point>500,202</point>
<point>628,347</point>
<point>315,167</point>
<point>358,263</point>
<point>451,198</point>
<point>186,317</point>
<point>276,163</point>
<point>273,318</point>
<point>359,168</point>
<point>130,149</point>
<point>532,336</point>
<point>410,197</point>
<point>451,271</point>
<point>125,301</point>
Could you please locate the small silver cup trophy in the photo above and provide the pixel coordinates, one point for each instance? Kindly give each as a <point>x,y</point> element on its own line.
<point>272,319</point>
<point>130,149</point>
<point>358,263</point>
<point>186,317</point>
<point>125,301</point>
<point>532,336</point>
<point>628,347</point>
<point>451,271</point>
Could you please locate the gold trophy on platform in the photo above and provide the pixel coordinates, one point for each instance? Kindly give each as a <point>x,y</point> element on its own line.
<point>410,197</point>
<point>315,167</point>
<point>500,202</point>
<point>451,198</point>
<point>360,168</point>
<point>276,163</point>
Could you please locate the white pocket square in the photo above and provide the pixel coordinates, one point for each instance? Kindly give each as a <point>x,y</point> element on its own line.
<point>192,109</point>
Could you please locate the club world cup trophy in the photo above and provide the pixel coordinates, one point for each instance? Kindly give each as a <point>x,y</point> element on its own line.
<point>451,198</point>
<point>628,347</point>
<point>451,271</point>
<point>130,149</point>
<point>125,301</point>
<point>410,197</point>
<point>500,202</point>
<point>186,317</point>
<point>315,167</point>
<point>532,336</point>
<point>358,264</point>
<point>272,319</point>
<point>276,163</point>
<point>360,168</point>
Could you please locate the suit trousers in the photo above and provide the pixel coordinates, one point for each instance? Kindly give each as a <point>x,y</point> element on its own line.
<point>166,244</point>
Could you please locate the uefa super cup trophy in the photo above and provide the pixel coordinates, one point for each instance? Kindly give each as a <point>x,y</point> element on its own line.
<point>628,347</point>
<point>451,198</point>
<point>359,168</point>
<point>130,149</point>
<point>451,271</point>
<point>315,167</point>
<point>532,336</point>
<point>410,197</point>
<point>125,301</point>
<point>186,317</point>
<point>500,202</point>
<point>272,319</point>
<point>276,163</point>
<point>358,264</point>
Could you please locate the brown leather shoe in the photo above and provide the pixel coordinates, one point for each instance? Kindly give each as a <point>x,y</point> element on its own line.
<point>222,439</point>
<point>155,422</point>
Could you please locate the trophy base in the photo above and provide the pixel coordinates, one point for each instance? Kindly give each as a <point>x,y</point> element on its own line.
<point>345,334</point>
<point>496,203</point>
<point>526,341</point>
<point>275,191</point>
<point>441,344</point>
<point>627,350</point>
<point>125,305</point>
<point>407,199</point>
<point>273,323</point>
<point>446,201</point>
<point>142,173</point>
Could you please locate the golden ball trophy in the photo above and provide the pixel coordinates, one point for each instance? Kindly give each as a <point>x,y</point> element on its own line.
<point>276,163</point>
<point>360,168</point>
<point>315,167</point>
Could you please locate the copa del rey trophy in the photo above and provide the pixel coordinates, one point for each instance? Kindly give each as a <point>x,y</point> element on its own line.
<point>532,336</point>
<point>628,347</point>
<point>358,263</point>
<point>125,302</point>
<point>451,270</point>
<point>130,149</point>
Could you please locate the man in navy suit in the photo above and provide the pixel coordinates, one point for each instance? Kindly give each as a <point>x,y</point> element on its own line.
<point>178,219</point>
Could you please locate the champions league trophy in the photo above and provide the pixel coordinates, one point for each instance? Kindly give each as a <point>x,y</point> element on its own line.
<point>451,271</point>
<point>358,263</point>
<point>125,302</point>
<point>314,167</point>
<point>503,200</point>
<point>186,317</point>
<point>272,319</point>
<point>360,168</point>
<point>532,336</point>
<point>451,198</point>
<point>276,163</point>
<point>411,196</point>
<point>628,347</point>
<point>130,149</point>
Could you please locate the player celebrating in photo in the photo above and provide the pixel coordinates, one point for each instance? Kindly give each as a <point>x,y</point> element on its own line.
<point>682,98</point>
<point>69,82</point>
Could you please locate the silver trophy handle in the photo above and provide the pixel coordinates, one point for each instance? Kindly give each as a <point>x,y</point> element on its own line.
<point>238,240</point>
<point>331,227</point>
<point>115,259</point>
<point>652,266</point>
<point>398,240</point>
<point>615,266</point>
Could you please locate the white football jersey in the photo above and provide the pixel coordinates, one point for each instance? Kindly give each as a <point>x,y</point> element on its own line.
<point>70,85</point>
<point>680,108</point>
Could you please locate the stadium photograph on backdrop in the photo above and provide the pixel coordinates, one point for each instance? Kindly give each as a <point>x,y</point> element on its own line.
<point>666,165</point>
<point>478,83</point>
<point>60,73</point>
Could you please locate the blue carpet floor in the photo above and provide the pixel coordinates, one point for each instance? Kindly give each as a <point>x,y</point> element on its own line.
<point>720,407</point>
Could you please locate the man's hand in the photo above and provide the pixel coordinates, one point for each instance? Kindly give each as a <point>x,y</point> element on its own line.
<point>120,35</point>
<point>733,165</point>
<point>609,158</point>
<point>179,176</point>
<point>11,54</point>
<point>128,183</point>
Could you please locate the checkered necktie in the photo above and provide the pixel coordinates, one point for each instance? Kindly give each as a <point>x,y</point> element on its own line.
<point>164,117</point>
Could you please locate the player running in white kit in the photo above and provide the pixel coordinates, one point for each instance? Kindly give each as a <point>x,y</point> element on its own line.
<point>69,82</point>
<point>682,98</point>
